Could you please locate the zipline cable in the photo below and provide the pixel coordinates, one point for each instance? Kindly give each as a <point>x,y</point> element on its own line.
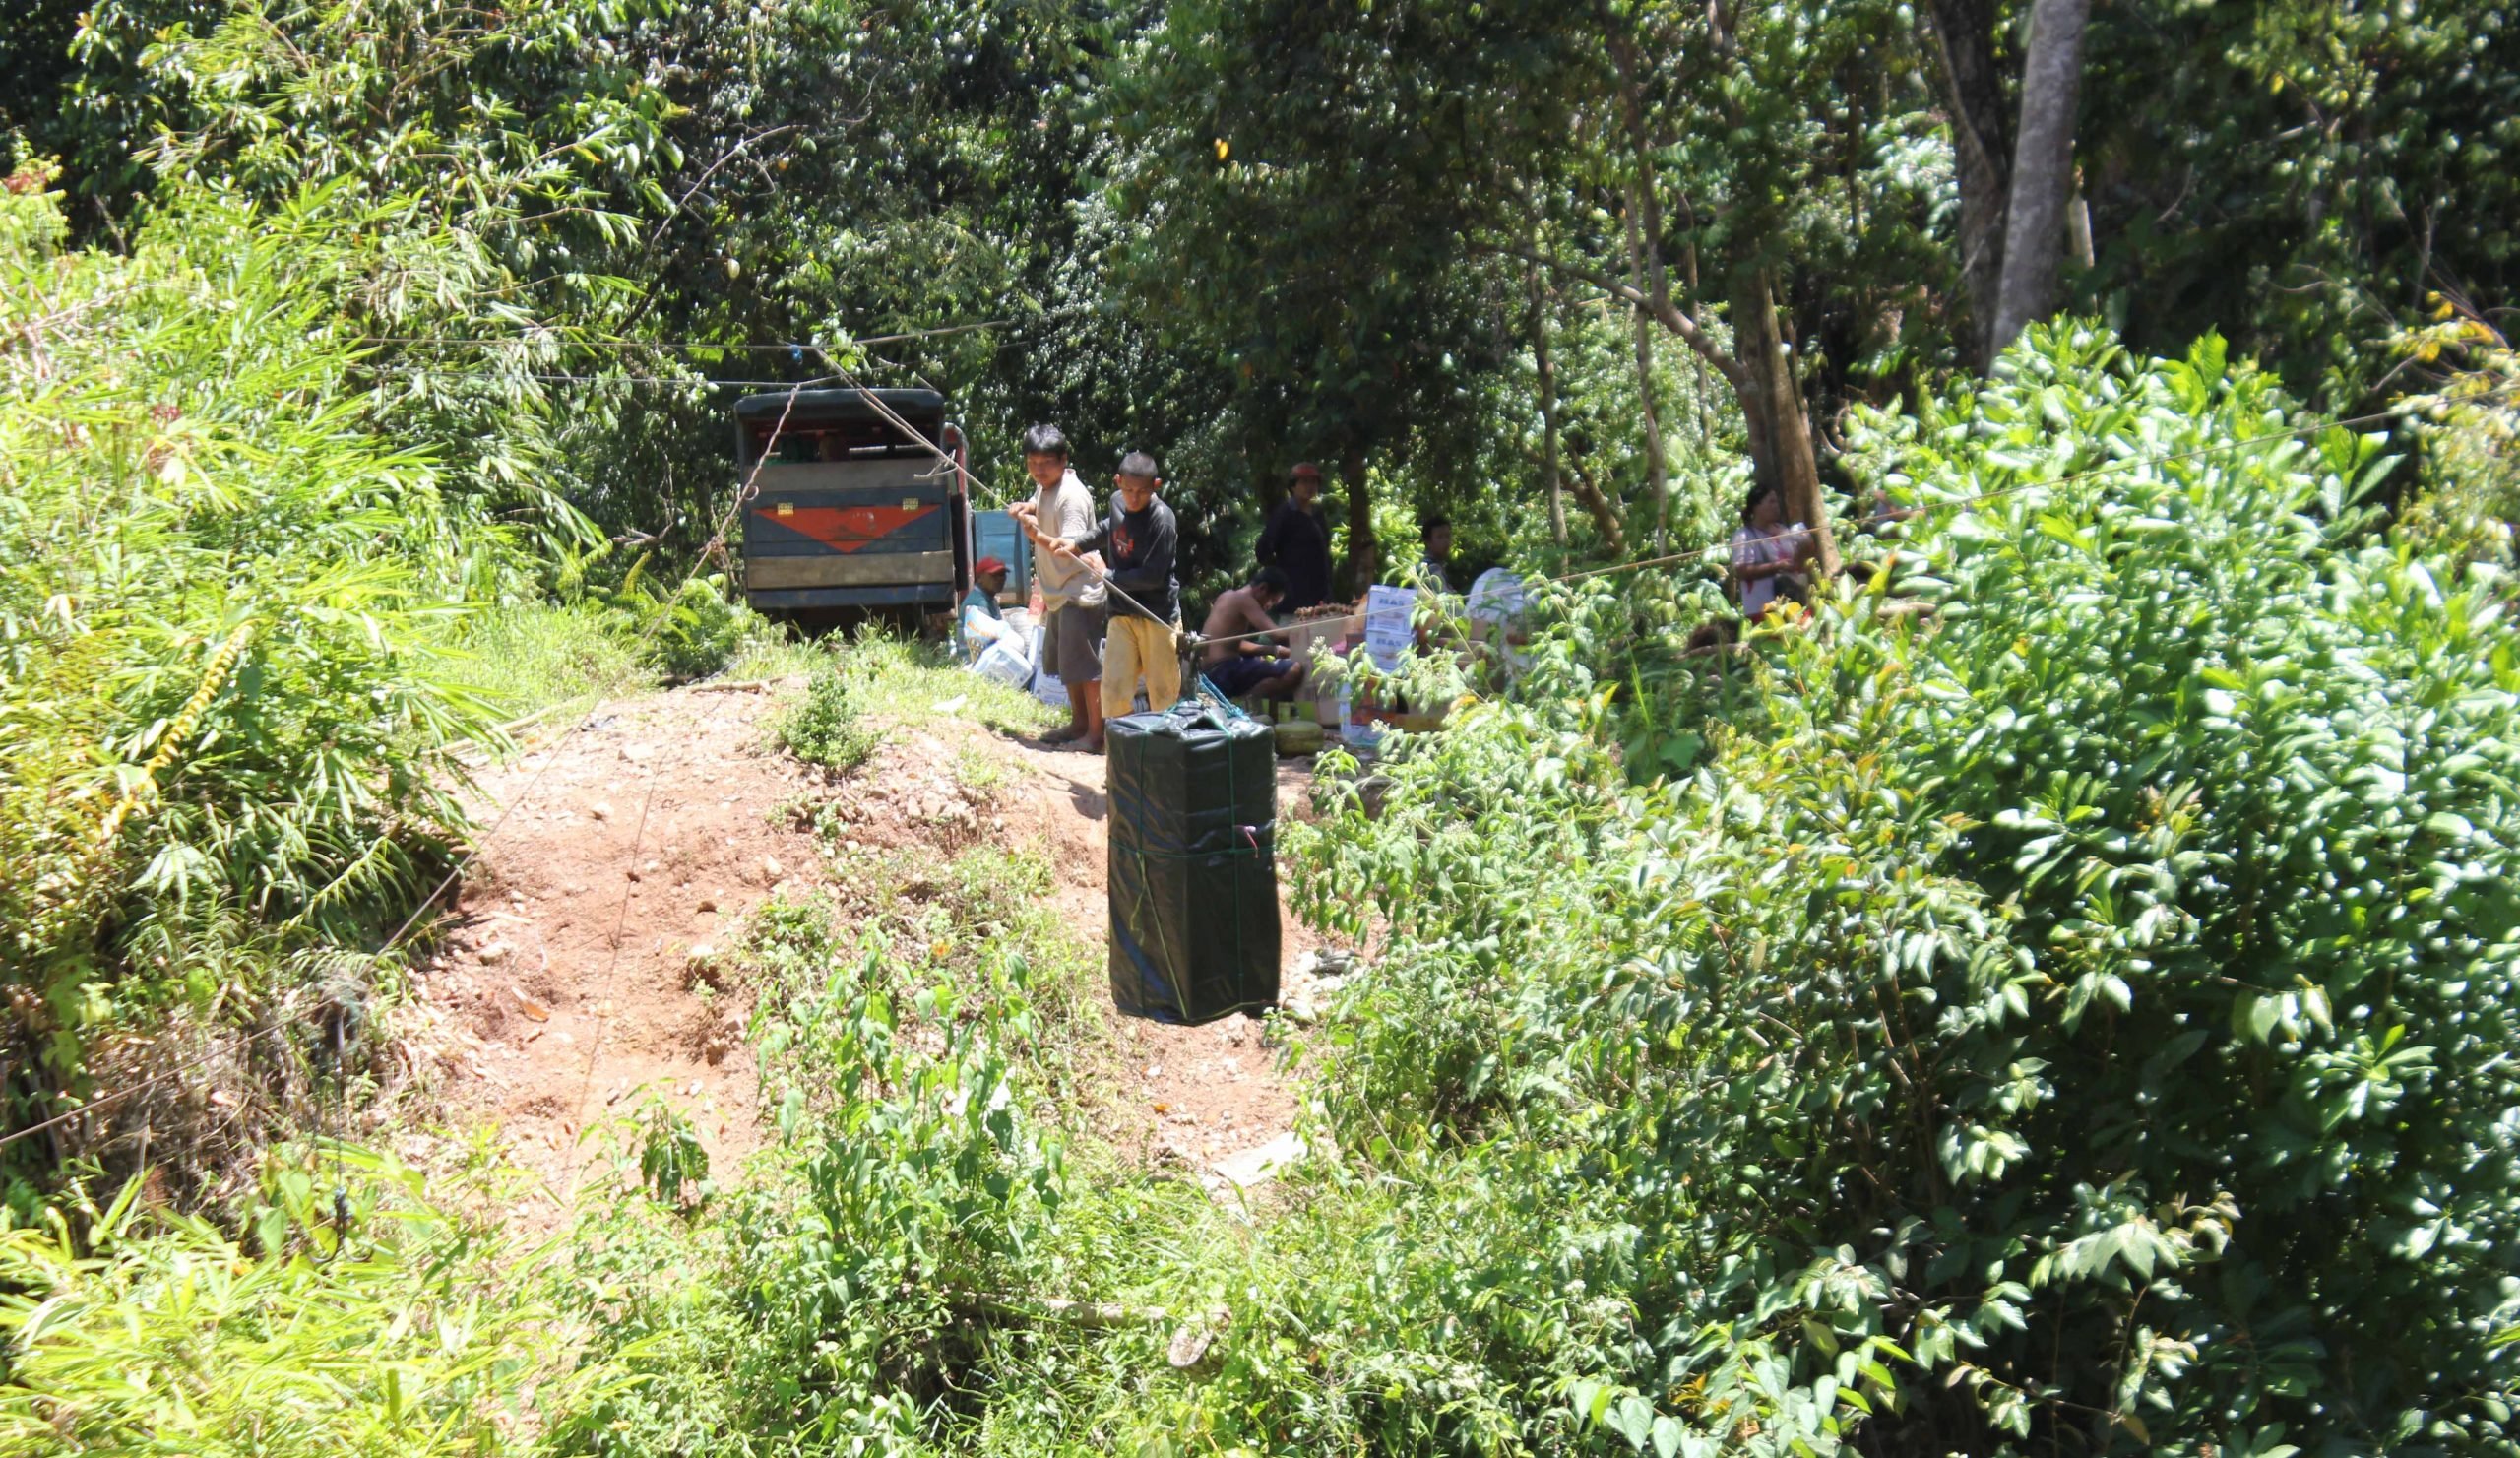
<point>717,542</point>
<point>558,342</point>
<point>611,977</point>
<point>424,372</point>
<point>1724,548</point>
<point>970,481</point>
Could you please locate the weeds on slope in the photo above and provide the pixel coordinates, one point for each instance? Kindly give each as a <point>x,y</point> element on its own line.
<point>243,626</point>
<point>390,1324</point>
<point>827,1300</point>
<point>226,695</point>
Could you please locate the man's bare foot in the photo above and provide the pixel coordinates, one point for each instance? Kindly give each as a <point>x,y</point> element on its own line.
<point>1057,736</point>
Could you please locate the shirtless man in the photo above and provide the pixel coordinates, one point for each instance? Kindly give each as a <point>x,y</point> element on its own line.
<point>1250,666</point>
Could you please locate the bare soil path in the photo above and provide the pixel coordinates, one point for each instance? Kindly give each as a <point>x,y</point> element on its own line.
<point>563,997</point>
<point>563,988</point>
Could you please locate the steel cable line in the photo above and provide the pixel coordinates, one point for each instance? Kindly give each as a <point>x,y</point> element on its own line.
<point>1724,548</point>
<point>611,978</point>
<point>749,489</point>
<point>558,342</point>
<point>693,382</point>
<point>968,481</point>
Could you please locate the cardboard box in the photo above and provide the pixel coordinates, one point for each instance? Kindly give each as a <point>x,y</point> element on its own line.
<point>1390,619</point>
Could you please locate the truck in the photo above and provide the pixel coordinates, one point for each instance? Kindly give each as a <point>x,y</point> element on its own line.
<point>848,511</point>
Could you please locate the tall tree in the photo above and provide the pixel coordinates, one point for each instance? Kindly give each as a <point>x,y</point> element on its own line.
<point>2300,176</point>
<point>1976,98</point>
<point>2043,170</point>
<point>1657,464</point>
<point>1545,381</point>
<point>1272,231</point>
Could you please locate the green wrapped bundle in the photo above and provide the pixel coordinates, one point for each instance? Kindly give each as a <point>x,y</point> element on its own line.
<point>1194,871</point>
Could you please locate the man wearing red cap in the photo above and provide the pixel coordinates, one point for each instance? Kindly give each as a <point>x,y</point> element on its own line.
<point>981,623</point>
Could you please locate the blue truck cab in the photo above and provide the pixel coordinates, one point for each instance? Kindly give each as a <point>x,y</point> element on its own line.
<point>848,510</point>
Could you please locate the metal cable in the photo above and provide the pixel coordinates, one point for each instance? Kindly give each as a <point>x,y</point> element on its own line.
<point>969,480</point>
<point>749,488</point>
<point>1724,548</point>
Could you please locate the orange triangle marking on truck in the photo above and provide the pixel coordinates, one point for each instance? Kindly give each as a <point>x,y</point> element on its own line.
<point>845,528</point>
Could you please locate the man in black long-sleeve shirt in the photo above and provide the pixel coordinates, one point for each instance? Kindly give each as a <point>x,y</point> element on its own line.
<point>1138,541</point>
<point>1296,542</point>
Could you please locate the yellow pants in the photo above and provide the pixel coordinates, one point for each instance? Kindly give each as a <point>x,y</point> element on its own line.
<point>1139,646</point>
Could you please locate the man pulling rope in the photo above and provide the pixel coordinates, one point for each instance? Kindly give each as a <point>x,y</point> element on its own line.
<point>1130,554</point>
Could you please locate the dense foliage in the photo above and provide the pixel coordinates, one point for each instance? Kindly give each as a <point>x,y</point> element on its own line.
<point>235,651</point>
<point>2057,996</point>
<point>2083,1020</point>
<point>387,1324</point>
<point>225,696</point>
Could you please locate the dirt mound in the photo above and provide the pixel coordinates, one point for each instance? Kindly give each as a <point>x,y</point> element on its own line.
<point>569,989</point>
<point>565,985</point>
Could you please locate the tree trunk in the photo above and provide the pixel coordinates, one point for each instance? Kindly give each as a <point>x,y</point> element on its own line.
<point>1658,470</point>
<point>1781,452</point>
<point>1547,370</point>
<point>1364,556</point>
<point>1604,512</point>
<point>1973,91</point>
<point>2042,168</point>
<point>1750,306</point>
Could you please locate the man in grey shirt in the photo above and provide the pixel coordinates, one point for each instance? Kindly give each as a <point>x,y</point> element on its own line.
<point>1072,592</point>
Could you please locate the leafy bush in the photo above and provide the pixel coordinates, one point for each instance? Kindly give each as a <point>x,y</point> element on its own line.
<point>2470,504</point>
<point>133,1330</point>
<point>911,1190</point>
<point>703,630</point>
<point>2080,1023</point>
<point>690,630</point>
<point>224,688</point>
<point>826,727</point>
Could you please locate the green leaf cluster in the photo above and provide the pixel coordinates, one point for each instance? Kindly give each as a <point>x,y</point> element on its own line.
<point>227,696</point>
<point>382,1324</point>
<point>2080,1020</point>
<point>827,727</point>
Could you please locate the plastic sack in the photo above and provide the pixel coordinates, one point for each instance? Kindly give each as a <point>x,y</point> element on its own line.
<point>1004,660</point>
<point>1045,686</point>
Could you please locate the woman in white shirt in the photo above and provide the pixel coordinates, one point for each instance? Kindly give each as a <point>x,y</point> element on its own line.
<point>1769,557</point>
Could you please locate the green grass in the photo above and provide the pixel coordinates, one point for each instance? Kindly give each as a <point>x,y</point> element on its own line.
<point>908,682</point>
<point>781,656</point>
<point>134,1329</point>
<point>980,772</point>
<point>544,657</point>
<point>547,656</point>
<point>854,686</point>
